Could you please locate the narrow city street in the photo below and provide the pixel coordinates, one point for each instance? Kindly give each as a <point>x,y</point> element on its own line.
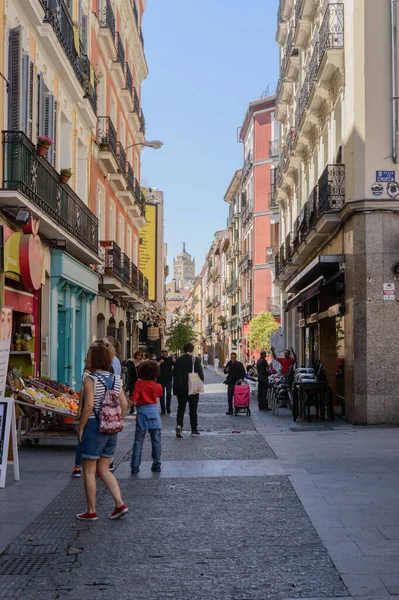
<point>256,508</point>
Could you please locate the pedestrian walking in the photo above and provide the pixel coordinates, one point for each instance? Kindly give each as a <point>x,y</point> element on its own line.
<point>235,371</point>
<point>263,381</point>
<point>145,396</point>
<point>166,363</point>
<point>116,348</point>
<point>286,362</point>
<point>185,365</point>
<point>216,364</point>
<point>101,390</point>
<point>132,365</point>
<point>206,359</point>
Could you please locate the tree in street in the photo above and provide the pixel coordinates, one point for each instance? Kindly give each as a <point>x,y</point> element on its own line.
<point>180,332</point>
<point>260,330</point>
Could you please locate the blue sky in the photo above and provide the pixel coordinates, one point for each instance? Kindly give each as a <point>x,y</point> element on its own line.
<point>207,61</point>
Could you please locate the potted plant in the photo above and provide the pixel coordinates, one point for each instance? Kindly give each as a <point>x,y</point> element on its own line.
<point>25,342</point>
<point>43,144</point>
<point>104,146</point>
<point>65,175</point>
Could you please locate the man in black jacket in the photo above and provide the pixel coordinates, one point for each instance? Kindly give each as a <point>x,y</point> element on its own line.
<point>235,371</point>
<point>165,379</point>
<point>262,367</point>
<point>184,365</point>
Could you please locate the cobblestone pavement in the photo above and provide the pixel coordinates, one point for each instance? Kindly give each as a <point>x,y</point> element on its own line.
<point>222,521</point>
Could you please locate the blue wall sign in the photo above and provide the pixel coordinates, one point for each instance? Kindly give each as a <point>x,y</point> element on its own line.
<point>386,176</point>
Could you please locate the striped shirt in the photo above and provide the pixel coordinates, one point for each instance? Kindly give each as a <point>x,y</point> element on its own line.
<point>99,388</point>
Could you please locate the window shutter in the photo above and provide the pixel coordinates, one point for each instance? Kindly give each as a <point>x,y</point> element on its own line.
<point>83,34</point>
<point>49,124</point>
<point>31,86</point>
<point>15,77</point>
<point>40,105</point>
<point>55,134</point>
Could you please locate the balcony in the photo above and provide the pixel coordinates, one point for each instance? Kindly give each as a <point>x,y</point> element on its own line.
<point>143,286</point>
<point>137,39</point>
<point>30,181</point>
<point>318,218</point>
<point>331,38</point>
<point>274,148</point>
<point>126,94</point>
<point>273,306</point>
<point>245,263</point>
<point>247,165</point>
<point>61,40</point>
<point>232,288</point>
<point>234,323</point>
<point>246,309</point>
<point>302,25</point>
<point>127,196</point>
<point>247,213</point>
<point>134,277</point>
<point>106,140</point>
<point>289,163</point>
<point>118,180</point>
<point>107,31</point>
<point>118,64</point>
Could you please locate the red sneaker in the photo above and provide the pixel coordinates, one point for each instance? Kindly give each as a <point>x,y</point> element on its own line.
<point>119,511</point>
<point>86,516</point>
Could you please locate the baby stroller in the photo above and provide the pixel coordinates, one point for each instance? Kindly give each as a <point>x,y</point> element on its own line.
<point>242,398</point>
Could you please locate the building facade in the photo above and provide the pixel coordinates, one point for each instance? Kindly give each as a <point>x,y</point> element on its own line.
<point>184,269</point>
<point>72,76</point>
<point>117,48</point>
<point>336,187</point>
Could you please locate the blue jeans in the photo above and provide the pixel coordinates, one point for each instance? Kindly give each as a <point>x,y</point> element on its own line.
<point>138,448</point>
<point>166,387</point>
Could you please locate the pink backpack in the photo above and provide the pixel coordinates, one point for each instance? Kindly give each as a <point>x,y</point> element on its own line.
<point>109,416</point>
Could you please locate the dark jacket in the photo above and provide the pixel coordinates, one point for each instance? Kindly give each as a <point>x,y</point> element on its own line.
<point>184,366</point>
<point>235,373</point>
<point>166,369</point>
<point>132,376</point>
<point>263,370</point>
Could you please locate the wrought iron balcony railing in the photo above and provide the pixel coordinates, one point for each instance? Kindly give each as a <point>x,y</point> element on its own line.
<point>246,309</point>
<point>274,148</point>
<point>130,178</point>
<point>106,17</point>
<point>273,305</point>
<point>142,121</point>
<point>298,8</point>
<point>134,277</point>
<point>146,288</point>
<point>136,101</point>
<point>121,158</point>
<point>36,179</point>
<point>58,15</point>
<point>331,33</point>
<point>111,256</point>
<point>289,51</point>
<point>232,288</point>
<point>141,284</point>
<point>277,265</point>
<point>288,247</point>
<point>129,79</point>
<point>120,51</point>
<point>126,270</point>
<point>106,135</point>
<point>234,323</point>
<point>332,188</point>
<point>281,256</point>
<point>137,192</point>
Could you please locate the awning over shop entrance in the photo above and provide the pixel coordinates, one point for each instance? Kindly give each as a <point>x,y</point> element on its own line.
<point>323,266</point>
<point>306,294</point>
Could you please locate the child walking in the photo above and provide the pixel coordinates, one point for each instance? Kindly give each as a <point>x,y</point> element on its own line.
<point>145,395</point>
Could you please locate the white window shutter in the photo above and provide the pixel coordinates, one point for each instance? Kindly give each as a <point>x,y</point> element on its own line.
<point>40,105</point>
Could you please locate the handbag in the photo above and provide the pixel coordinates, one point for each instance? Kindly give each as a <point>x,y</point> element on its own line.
<point>195,384</point>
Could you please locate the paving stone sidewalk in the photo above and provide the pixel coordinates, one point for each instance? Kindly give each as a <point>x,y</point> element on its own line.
<point>254,509</point>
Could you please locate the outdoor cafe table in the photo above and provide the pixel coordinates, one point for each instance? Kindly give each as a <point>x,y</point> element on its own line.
<point>300,391</point>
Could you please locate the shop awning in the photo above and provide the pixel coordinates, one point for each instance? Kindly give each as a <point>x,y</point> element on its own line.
<point>306,293</point>
<point>324,265</point>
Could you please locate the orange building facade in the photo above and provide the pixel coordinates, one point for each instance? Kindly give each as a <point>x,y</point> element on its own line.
<point>117,50</point>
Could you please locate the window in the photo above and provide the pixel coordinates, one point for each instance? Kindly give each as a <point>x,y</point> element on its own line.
<point>112,221</point>
<point>121,232</point>
<point>136,250</point>
<point>129,241</point>
<point>101,209</point>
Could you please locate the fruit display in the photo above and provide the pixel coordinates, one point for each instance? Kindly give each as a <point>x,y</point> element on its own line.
<point>40,392</point>
<point>54,385</point>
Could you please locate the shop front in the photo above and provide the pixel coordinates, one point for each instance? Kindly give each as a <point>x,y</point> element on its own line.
<point>23,276</point>
<point>318,301</point>
<point>73,287</point>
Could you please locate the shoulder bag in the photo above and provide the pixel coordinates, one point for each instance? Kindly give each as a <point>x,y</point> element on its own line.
<point>195,383</point>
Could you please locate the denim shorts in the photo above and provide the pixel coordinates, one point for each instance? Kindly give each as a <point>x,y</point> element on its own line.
<point>96,444</point>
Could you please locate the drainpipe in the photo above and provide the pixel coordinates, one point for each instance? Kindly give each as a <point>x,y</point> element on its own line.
<point>394,51</point>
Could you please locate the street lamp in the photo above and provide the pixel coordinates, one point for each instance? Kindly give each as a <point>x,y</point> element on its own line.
<point>155,144</point>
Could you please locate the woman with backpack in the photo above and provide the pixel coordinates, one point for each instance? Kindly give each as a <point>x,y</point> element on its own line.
<point>101,419</point>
